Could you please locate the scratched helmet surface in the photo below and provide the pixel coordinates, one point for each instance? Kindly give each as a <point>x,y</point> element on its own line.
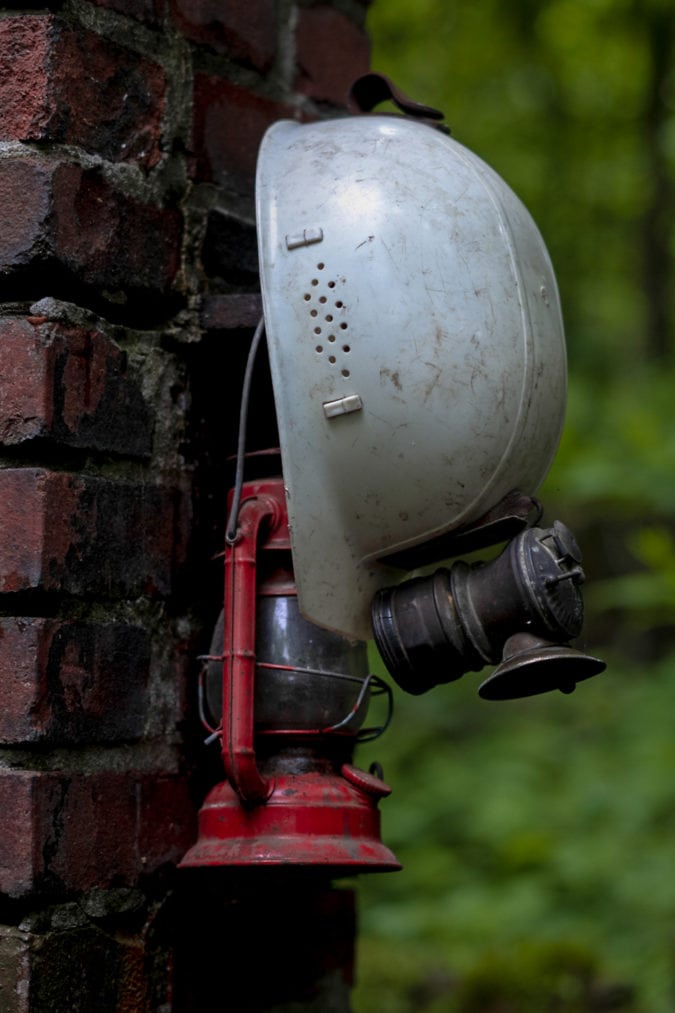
<point>416,346</point>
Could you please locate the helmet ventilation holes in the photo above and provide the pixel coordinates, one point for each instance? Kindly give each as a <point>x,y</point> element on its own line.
<point>331,310</point>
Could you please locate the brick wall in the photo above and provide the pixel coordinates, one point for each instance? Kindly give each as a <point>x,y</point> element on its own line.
<point>128,291</point>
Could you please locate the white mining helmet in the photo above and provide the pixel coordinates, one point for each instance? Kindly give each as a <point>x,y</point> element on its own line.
<point>416,347</point>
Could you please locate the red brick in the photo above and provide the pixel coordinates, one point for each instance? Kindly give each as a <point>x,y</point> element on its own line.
<point>96,832</point>
<point>243,29</point>
<point>22,684</point>
<point>72,832</point>
<point>26,386</point>
<point>93,842</point>
<point>14,970</point>
<point>71,86</point>
<point>69,385</point>
<point>87,535</point>
<point>71,682</point>
<point>25,196</point>
<point>80,967</point>
<point>58,214</point>
<point>166,820</point>
<point>112,833</point>
<point>24,85</point>
<point>27,802</point>
<point>109,239</point>
<point>229,123</point>
<point>331,52</point>
<point>68,961</point>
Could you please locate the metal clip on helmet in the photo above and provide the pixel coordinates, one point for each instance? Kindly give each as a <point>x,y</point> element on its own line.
<point>418,361</point>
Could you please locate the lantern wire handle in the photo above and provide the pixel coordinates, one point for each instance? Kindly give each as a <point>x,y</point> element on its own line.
<point>231,527</point>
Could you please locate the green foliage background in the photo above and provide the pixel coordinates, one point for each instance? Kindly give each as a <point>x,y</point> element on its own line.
<point>538,836</point>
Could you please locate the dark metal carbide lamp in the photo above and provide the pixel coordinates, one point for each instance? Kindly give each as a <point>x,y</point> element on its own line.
<point>521,610</point>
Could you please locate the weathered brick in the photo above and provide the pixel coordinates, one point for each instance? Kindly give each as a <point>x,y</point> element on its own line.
<point>24,84</point>
<point>68,958</point>
<point>83,968</point>
<point>109,832</point>
<point>72,682</point>
<point>228,125</point>
<point>27,798</point>
<point>331,52</point>
<point>74,831</point>
<point>69,385</point>
<point>243,29</point>
<point>26,387</point>
<point>87,535</point>
<point>73,963</point>
<point>166,820</point>
<point>14,970</point>
<point>25,195</point>
<point>108,239</point>
<point>58,214</point>
<point>68,85</point>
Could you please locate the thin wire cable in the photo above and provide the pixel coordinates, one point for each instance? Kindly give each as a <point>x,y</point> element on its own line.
<point>231,528</point>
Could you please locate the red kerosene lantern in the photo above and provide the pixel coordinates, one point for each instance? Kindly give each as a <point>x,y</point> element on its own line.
<point>293,699</point>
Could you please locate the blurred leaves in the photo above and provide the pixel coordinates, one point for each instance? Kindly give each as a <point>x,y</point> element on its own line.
<point>618,447</point>
<point>529,826</point>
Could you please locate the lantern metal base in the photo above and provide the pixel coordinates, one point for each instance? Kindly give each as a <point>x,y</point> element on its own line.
<point>315,820</point>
